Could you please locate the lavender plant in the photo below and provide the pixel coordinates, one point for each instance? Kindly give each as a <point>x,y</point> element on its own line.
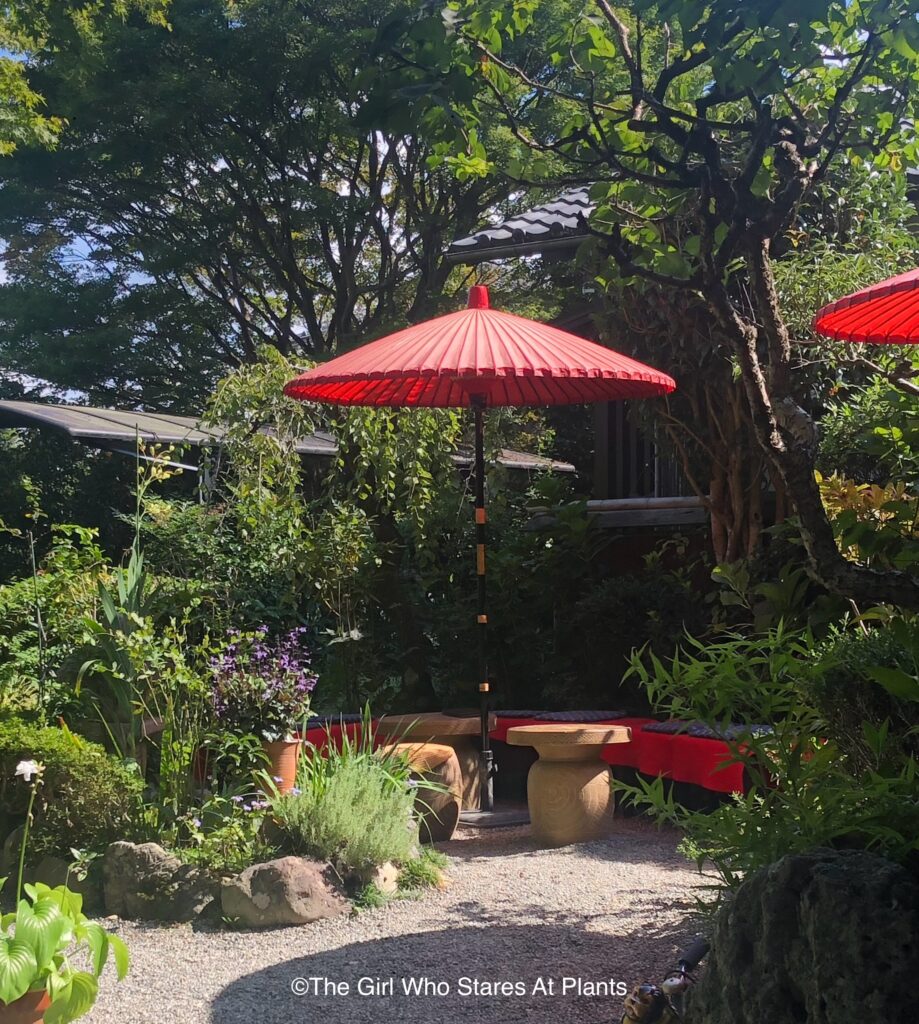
<point>262,685</point>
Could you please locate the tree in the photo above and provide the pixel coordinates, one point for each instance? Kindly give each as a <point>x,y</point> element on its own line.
<point>222,183</point>
<point>703,127</point>
<point>26,27</point>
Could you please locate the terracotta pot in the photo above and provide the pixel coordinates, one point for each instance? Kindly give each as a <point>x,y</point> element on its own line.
<point>27,1009</point>
<point>283,756</point>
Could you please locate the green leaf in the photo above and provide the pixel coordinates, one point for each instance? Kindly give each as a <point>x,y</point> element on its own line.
<point>97,939</point>
<point>18,968</point>
<point>73,999</point>
<point>43,927</point>
<point>895,681</point>
<point>121,955</point>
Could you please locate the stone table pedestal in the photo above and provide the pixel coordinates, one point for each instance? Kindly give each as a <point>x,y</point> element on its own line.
<point>568,788</point>
<point>459,733</point>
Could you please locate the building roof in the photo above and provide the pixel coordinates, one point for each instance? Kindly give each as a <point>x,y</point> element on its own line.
<point>114,429</point>
<point>557,224</point>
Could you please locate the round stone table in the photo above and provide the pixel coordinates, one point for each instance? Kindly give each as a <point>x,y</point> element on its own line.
<point>568,788</point>
<point>455,731</point>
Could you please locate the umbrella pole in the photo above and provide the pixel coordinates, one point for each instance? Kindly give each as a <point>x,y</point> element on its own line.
<point>487,764</point>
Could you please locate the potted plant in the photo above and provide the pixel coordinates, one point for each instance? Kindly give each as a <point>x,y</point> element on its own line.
<point>263,686</point>
<point>39,939</point>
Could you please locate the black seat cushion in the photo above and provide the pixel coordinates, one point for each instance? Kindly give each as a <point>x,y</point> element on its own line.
<point>703,731</point>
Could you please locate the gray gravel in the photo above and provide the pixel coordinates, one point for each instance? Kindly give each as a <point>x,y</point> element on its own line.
<point>605,912</point>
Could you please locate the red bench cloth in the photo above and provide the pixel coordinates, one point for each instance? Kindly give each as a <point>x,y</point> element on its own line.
<point>655,753</point>
<point>320,735</point>
<point>706,763</point>
<point>626,754</point>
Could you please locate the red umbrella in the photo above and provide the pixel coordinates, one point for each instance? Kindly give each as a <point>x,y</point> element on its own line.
<point>479,357</point>
<point>884,314</point>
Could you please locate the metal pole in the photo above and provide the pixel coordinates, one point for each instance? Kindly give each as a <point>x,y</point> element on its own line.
<point>487,765</point>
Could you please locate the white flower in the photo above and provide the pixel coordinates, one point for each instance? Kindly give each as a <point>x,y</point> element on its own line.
<point>29,768</point>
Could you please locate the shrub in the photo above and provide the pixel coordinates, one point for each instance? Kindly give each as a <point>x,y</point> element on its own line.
<point>353,807</point>
<point>849,696</point>
<point>88,798</point>
<point>805,791</point>
<point>225,834</point>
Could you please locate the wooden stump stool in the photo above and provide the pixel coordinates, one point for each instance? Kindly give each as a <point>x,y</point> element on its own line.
<point>568,788</point>
<point>457,732</point>
<point>438,810</point>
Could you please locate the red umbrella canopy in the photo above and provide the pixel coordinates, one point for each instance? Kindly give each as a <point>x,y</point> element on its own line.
<point>479,351</point>
<point>884,314</point>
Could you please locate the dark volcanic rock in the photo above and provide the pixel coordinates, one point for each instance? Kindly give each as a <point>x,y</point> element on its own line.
<point>828,937</point>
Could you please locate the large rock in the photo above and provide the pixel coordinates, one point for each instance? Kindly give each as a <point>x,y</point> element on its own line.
<point>145,881</point>
<point>290,890</point>
<point>828,937</point>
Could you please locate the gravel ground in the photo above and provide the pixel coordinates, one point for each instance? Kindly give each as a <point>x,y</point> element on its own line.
<point>604,912</point>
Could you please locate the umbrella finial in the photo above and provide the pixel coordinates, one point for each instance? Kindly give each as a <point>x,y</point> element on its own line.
<point>478,297</point>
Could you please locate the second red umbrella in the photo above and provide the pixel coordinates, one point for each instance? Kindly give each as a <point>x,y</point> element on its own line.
<point>882,314</point>
<point>479,357</point>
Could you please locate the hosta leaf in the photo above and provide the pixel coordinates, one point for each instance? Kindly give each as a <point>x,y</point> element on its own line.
<point>43,927</point>
<point>121,955</point>
<point>97,939</point>
<point>18,968</point>
<point>75,997</point>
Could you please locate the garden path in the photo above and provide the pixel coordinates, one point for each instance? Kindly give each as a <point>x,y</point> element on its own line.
<point>604,912</point>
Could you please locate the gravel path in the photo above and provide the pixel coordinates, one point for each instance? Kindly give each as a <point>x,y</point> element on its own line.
<point>605,912</point>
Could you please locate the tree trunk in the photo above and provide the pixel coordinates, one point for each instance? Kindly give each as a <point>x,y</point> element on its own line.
<point>789,444</point>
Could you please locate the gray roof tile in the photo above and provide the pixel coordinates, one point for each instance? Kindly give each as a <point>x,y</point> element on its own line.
<point>559,218</point>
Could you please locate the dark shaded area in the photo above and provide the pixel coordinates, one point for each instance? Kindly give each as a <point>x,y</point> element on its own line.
<point>827,937</point>
<point>479,948</point>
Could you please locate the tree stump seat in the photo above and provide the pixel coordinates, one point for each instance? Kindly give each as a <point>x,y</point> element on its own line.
<point>439,807</point>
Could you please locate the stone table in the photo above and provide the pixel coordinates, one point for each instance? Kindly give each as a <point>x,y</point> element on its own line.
<point>568,788</point>
<point>457,732</point>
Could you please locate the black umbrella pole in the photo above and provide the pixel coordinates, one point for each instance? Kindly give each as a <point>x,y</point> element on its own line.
<point>487,767</point>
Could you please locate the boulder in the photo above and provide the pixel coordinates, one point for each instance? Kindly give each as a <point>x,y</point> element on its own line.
<point>287,891</point>
<point>827,937</point>
<point>385,877</point>
<point>145,881</point>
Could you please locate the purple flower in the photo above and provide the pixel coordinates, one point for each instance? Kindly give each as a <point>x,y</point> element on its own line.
<point>262,684</point>
<point>196,822</point>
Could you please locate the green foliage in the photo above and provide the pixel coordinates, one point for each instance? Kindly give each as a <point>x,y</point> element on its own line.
<point>354,807</point>
<point>88,799</point>
<point>226,834</point>
<point>41,616</point>
<point>759,599</point>
<point>867,692</point>
<point>370,897</point>
<point>868,434</point>
<point>29,24</point>
<point>805,791</point>
<point>38,942</point>
<point>260,103</point>
<point>876,525</point>
<point>426,871</point>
